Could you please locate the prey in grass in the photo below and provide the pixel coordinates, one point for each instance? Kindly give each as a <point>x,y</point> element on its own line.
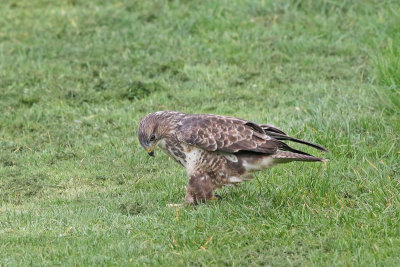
<point>218,150</point>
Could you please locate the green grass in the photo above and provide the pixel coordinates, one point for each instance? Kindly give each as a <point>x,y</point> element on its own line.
<point>76,76</point>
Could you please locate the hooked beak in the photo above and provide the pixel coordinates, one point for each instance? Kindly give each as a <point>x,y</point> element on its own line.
<point>150,151</point>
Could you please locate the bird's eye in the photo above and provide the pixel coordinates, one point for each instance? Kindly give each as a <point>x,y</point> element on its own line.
<point>152,138</point>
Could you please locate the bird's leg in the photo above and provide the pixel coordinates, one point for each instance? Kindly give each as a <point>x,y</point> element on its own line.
<point>199,189</point>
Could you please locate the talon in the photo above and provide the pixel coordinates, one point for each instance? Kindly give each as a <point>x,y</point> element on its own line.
<point>217,197</point>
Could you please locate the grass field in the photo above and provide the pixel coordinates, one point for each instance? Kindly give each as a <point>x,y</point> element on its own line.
<point>76,76</point>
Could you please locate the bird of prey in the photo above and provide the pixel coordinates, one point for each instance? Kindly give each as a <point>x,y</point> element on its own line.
<point>218,150</point>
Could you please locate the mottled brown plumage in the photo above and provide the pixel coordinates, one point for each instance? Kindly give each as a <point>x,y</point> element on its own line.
<point>217,150</point>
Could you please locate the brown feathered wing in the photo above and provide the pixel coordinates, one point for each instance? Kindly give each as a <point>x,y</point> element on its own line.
<point>227,134</point>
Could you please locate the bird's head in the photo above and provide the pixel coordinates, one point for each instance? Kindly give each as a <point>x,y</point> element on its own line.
<point>148,133</point>
<point>157,126</point>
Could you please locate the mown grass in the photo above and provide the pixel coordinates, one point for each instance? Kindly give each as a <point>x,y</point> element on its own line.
<point>76,76</point>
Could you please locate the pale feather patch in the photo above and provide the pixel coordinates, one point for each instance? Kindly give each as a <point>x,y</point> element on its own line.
<point>234,179</point>
<point>161,143</point>
<point>230,157</point>
<point>264,163</point>
<point>192,158</point>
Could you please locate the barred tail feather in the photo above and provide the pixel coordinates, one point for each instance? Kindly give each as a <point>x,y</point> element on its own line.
<point>285,156</point>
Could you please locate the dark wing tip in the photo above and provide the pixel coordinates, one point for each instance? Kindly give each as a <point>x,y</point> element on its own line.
<point>316,146</point>
<point>276,133</point>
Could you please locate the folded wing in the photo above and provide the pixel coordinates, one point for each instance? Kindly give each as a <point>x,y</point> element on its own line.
<point>228,134</point>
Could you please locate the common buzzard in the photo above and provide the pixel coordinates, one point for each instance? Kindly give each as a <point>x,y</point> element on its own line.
<point>217,150</point>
